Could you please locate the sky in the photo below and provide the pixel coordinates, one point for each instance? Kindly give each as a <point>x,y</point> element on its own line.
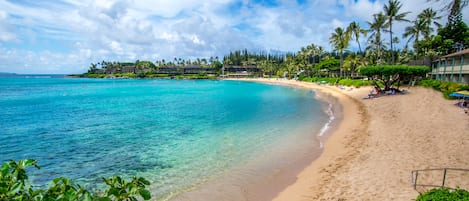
<point>66,36</point>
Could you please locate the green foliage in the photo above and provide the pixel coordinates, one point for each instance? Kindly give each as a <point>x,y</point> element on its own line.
<point>14,185</point>
<point>446,87</point>
<point>145,65</point>
<point>389,70</point>
<point>346,82</point>
<point>388,75</point>
<point>444,194</point>
<point>120,189</point>
<point>64,189</point>
<point>91,75</point>
<point>156,75</point>
<point>327,80</point>
<point>141,75</point>
<point>355,83</point>
<point>125,75</point>
<point>330,63</point>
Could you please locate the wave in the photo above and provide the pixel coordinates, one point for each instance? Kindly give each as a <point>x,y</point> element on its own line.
<point>326,126</point>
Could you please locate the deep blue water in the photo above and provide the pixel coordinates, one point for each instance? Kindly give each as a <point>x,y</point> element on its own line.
<point>176,133</point>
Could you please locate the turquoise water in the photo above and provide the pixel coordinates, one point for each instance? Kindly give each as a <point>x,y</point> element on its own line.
<point>176,133</point>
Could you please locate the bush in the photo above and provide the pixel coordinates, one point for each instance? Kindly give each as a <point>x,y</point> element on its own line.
<point>95,75</point>
<point>355,83</point>
<point>14,185</point>
<point>333,81</point>
<point>444,194</point>
<point>445,87</point>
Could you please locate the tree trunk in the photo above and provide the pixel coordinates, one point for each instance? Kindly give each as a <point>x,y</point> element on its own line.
<point>359,48</point>
<point>341,63</point>
<point>392,50</point>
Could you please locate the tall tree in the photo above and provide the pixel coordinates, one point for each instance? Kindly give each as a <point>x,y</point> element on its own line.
<point>377,26</point>
<point>414,32</point>
<point>392,13</point>
<point>454,8</point>
<point>355,31</point>
<point>429,18</point>
<point>352,62</point>
<point>340,40</point>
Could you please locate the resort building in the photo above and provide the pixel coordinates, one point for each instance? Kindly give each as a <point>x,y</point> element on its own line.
<point>452,67</point>
<point>241,71</point>
<point>185,70</point>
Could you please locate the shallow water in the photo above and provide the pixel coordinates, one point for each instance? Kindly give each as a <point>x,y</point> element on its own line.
<point>177,133</point>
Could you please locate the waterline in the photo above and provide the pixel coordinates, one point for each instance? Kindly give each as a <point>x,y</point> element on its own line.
<point>178,134</point>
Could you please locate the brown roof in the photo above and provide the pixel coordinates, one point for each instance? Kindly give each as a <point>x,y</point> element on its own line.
<point>249,66</point>
<point>462,52</point>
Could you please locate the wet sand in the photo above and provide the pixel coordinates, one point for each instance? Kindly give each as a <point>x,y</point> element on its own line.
<point>372,159</point>
<point>369,152</point>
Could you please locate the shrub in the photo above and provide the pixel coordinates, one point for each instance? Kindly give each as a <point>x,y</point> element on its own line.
<point>333,81</point>
<point>95,75</point>
<point>355,83</point>
<point>14,185</point>
<point>445,87</point>
<point>444,194</point>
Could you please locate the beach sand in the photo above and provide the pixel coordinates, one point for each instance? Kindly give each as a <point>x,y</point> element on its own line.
<point>372,147</point>
<point>380,141</point>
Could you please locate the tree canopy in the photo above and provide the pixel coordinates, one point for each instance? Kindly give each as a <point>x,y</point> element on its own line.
<point>388,75</point>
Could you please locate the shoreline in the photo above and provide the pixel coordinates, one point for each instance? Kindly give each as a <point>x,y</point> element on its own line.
<point>340,140</point>
<point>371,157</point>
<point>371,149</point>
<point>269,186</point>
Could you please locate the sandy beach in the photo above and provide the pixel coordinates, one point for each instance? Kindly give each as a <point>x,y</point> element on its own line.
<point>372,152</point>
<point>370,149</point>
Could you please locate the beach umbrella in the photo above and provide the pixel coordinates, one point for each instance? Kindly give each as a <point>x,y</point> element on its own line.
<point>460,94</point>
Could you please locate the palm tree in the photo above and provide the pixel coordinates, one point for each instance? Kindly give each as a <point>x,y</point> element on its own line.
<point>391,11</point>
<point>454,8</point>
<point>376,27</point>
<point>352,62</point>
<point>429,17</point>
<point>355,30</point>
<point>414,32</point>
<point>340,40</point>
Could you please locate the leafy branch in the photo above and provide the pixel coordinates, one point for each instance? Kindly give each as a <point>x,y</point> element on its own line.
<point>14,185</point>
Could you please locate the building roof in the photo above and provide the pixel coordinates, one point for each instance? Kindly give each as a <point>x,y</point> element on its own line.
<point>462,52</point>
<point>249,66</point>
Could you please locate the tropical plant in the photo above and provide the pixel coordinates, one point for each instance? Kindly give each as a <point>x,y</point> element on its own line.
<point>444,194</point>
<point>429,18</point>
<point>14,185</point>
<point>454,7</point>
<point>445,87</point>
<point>340,41</point>
<point>387,75</point>
<point>414,32</point>
<point>120,189</point>
<point>355,31</point>
<point>391,11</point>
<point>377,26</point>
<point>352,62</point>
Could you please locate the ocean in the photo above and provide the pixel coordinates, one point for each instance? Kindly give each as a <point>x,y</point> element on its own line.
<point>179,134</point>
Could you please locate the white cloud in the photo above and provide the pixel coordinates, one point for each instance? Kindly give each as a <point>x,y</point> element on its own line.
<point>70,34</point>
<point>6,34</point>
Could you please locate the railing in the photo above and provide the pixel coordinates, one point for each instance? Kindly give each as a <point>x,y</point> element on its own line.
<point>438,178</point>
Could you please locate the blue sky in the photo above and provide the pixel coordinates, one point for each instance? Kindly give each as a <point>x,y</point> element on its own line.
<point>65,36</point>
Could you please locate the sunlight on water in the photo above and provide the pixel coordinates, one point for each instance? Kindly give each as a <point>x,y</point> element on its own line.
<point>176,133</point>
